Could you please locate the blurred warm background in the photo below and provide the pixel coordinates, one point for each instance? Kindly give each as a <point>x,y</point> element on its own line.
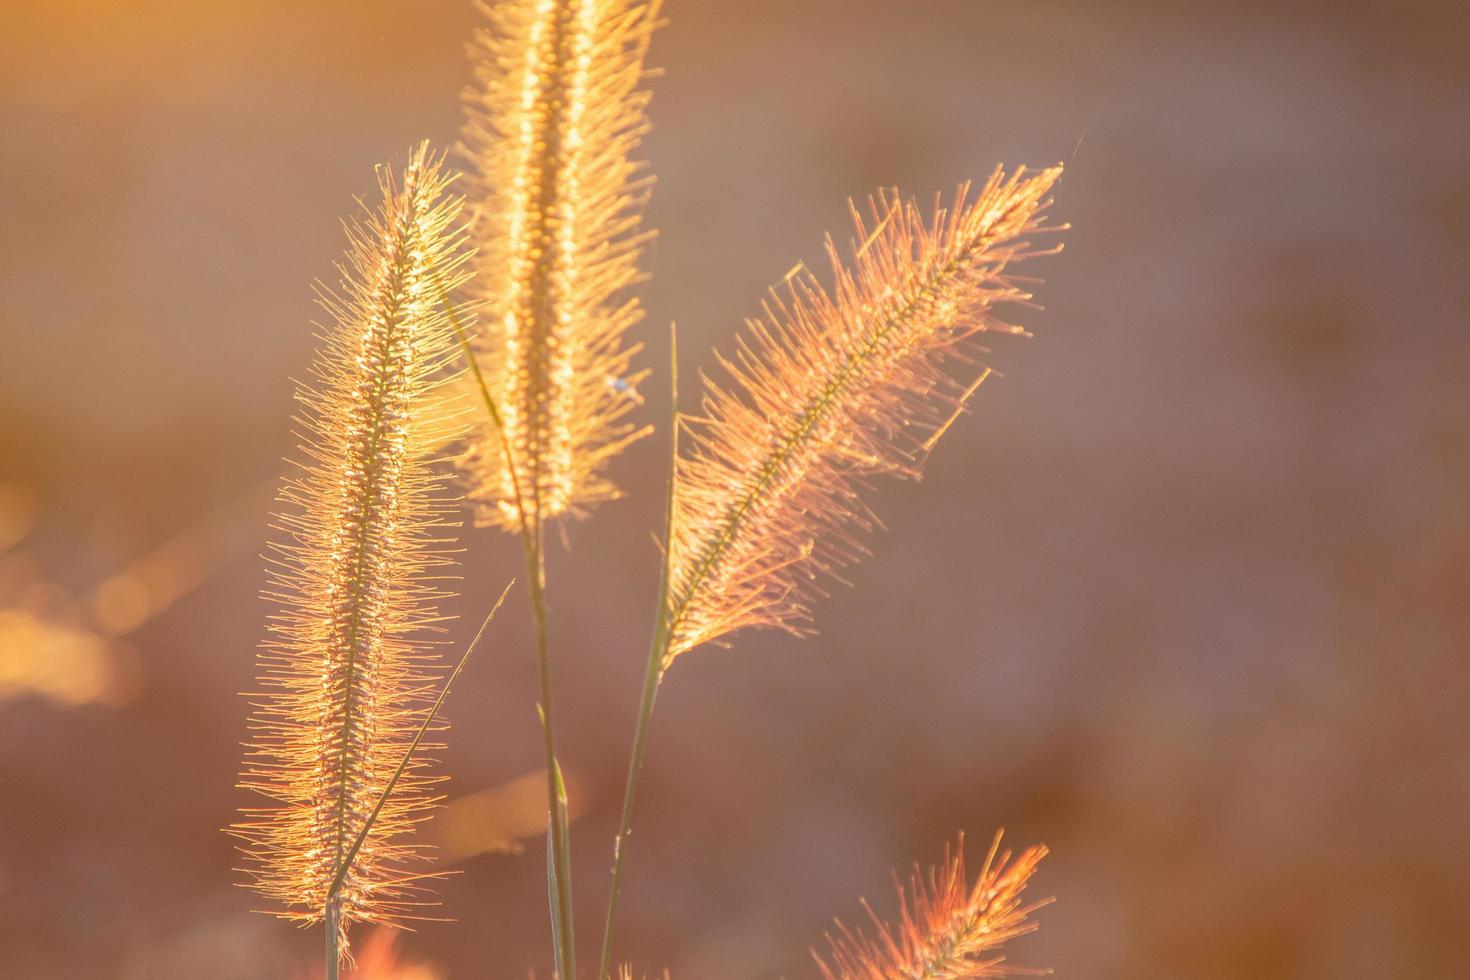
<point>1186,598</point>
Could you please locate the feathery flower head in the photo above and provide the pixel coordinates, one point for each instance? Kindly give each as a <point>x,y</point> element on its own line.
<point>346,671</point>
<point>553,118</point>
<point>832,387</point>
<point>947,929</point>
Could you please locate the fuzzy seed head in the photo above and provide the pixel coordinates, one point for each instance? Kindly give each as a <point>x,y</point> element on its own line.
<point>947,928</point>
<point>830,388</point>
<point>347,670</point>
<point>554,115</point>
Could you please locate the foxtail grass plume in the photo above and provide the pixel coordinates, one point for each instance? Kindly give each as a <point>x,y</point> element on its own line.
<point>348,668</point>
<point>830,388</point>
<point>553,117</point>
<point>947,929</point>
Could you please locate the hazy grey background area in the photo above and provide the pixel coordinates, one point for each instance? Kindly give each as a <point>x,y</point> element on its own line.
<point>1185,597</point>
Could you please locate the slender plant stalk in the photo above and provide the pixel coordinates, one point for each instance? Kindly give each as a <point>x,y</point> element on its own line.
<point>334,903</point>
<point>418,738</point>
<point>333,917</point>
<point>557,830</point>
<point>558,837</point>
<point>653,672</point>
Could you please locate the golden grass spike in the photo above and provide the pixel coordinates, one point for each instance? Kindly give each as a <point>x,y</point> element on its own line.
<point>347,672</point>
<point>947,929</point>
<point>552,119</point>
<point>832,387</point>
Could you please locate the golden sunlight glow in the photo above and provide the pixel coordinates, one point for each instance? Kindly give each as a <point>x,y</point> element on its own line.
<point>499,819</point>
<point>64,664</point>
<point>148,586</point>
<point>381,959</point>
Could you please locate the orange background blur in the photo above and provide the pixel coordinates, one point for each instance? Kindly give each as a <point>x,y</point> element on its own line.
<point>1186,597</point>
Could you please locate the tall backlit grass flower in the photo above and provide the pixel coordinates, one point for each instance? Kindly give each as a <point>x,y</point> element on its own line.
<point>834,386</point>
<point>348,670</point>
<point>831,387</point>
<point>554,116</point>
<point>947,929</point>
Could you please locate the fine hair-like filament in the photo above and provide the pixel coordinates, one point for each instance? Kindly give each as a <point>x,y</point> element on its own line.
<point>831,387</point>
<point>348,668</point>
<point>947,929</point>
<point>553,118</point>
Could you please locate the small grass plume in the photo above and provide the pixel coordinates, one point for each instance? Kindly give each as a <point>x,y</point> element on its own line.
<point>348,669</point>
<point>554,115</point>
<point>830,388</point>
<point>947,928</point>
